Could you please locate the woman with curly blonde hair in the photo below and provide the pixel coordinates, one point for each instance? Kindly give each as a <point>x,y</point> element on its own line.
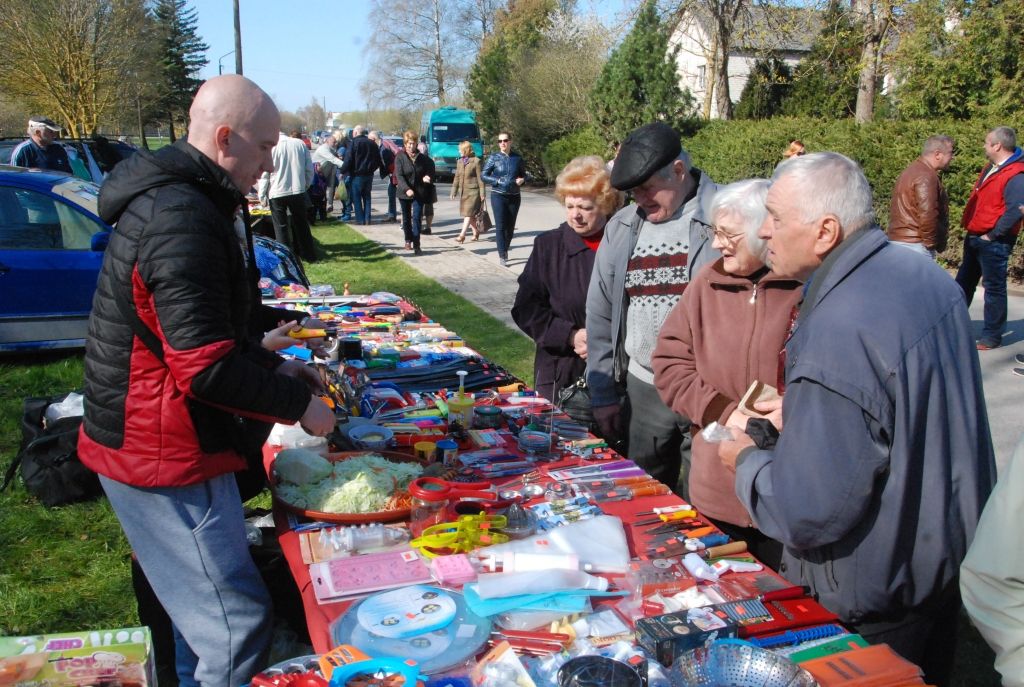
<point>551,305</point>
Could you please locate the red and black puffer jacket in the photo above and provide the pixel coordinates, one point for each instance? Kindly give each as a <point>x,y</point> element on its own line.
<point>176,256</point>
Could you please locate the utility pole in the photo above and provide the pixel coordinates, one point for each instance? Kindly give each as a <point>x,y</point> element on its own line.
<point>238,41</point>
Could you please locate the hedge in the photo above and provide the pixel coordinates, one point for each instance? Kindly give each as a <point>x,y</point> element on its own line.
<point>733,150</point>
<point>729,151</point>
<point>586,141</point>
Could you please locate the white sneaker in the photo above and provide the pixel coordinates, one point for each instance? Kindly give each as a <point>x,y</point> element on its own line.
<point>1019,358</point>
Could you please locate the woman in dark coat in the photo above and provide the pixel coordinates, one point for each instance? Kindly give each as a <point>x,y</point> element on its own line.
<point>551,305</point>
<point>414,173</point>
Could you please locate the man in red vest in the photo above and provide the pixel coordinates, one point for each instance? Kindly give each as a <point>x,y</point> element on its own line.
<point>992,219</point>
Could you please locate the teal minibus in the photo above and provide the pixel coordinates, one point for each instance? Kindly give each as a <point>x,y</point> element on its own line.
<point>444,129</point>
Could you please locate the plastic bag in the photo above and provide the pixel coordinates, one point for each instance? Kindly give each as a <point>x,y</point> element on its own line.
<point>72,406</point>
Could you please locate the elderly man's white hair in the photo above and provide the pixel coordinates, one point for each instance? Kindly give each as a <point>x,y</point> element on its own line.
<point>359,130</point>
<point>830,184</point>
<point>744,200</point>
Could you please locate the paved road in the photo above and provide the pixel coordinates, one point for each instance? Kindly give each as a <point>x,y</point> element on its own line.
<point>472,271</point>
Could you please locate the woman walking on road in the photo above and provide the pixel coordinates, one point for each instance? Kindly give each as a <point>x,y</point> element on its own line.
<point>414,173</point>
<point>468,187</point>
<point>505,172</point>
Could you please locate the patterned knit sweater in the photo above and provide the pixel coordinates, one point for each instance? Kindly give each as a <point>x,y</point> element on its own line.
<point>655,280</point>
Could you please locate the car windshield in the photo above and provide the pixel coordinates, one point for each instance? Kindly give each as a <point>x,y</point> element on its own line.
<point>454,133</point>
<point>79,192</point>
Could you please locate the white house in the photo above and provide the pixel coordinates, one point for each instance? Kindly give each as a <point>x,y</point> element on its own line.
<point>787,35</point>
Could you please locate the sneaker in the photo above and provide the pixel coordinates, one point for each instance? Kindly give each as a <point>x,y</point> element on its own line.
<point>1019,371</point>
<point>1019,358</point>
<point>504,262</point>
<point>986,345</point>
<point>417,251</point>
<point>425,231</point>
<point>408,246</point>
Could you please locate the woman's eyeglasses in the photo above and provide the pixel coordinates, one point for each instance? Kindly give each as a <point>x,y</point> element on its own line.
<point>728,239</point>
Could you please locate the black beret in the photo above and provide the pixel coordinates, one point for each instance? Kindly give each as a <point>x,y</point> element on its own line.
<point>644,152</point>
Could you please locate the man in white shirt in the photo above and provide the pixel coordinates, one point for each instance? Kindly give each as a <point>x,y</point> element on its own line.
<point>284,190</point>
<point>326,155</point>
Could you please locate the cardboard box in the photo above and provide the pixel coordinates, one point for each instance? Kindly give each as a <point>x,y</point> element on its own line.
<point>667,636</point>
<point>113,658</point>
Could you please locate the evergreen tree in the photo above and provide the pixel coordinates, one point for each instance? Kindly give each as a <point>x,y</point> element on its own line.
<point>183,55</point>
<point>639,84</point>
<point>825,80</point>
<point>960,60</point>
<point>767,85</point>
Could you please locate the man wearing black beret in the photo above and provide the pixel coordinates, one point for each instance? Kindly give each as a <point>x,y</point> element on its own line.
<point>648,253</point>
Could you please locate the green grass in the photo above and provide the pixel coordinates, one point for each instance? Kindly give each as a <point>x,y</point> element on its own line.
<point>68,568</point>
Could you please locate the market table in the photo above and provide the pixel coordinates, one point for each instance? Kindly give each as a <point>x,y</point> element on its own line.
<point>794,610</point>
<point>319,617</point>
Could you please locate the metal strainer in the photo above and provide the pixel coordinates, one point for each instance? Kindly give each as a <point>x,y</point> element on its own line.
<point>735,663</point>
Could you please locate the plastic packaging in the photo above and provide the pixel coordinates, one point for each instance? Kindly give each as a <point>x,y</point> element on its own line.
<point>73,405</point>
<point>715,433</point>
<point>362,537</point>
<point>288,436</point>
<point>523,562</point>
<point>317,445</point>
<point>599,542</point>
<point>498,585</point>
<point>698,567</point>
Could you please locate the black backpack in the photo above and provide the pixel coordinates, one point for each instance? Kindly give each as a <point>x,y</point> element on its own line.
<point>48,457</point>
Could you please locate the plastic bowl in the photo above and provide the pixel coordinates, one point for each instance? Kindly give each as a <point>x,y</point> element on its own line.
<point>371,437</point>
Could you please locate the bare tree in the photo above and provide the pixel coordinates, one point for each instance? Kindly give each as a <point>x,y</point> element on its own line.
<point>423,56</point>
<point>312,116</point>
<point>476,18</point>
<point>757,27</point>
<point>71,58</point>
<point>876,18</point>
<point>549,84</point>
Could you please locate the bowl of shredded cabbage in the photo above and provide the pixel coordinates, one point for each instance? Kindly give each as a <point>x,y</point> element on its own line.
<point>348,487</point>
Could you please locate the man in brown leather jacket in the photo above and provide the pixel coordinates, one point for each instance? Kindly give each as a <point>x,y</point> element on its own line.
<point>919,214</point>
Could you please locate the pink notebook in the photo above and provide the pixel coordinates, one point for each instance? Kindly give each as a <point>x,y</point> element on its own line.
<point>345,578</point>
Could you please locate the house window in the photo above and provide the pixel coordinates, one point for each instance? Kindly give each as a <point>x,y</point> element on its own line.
<point>702,76</point>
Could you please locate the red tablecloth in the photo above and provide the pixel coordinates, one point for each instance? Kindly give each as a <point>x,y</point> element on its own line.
<point>319,617</point>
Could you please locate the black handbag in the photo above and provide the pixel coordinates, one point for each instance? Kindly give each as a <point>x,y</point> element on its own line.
<point>574,401</point>
<point>48,457</point>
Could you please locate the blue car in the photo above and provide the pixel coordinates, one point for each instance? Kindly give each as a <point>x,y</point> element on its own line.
<point>51,249</point>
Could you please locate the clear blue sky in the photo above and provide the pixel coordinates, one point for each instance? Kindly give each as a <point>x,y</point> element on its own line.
<point>294,50</point>
<point>303,49</point>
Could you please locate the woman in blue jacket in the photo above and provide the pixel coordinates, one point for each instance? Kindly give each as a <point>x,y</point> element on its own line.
<point>505,172</point>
